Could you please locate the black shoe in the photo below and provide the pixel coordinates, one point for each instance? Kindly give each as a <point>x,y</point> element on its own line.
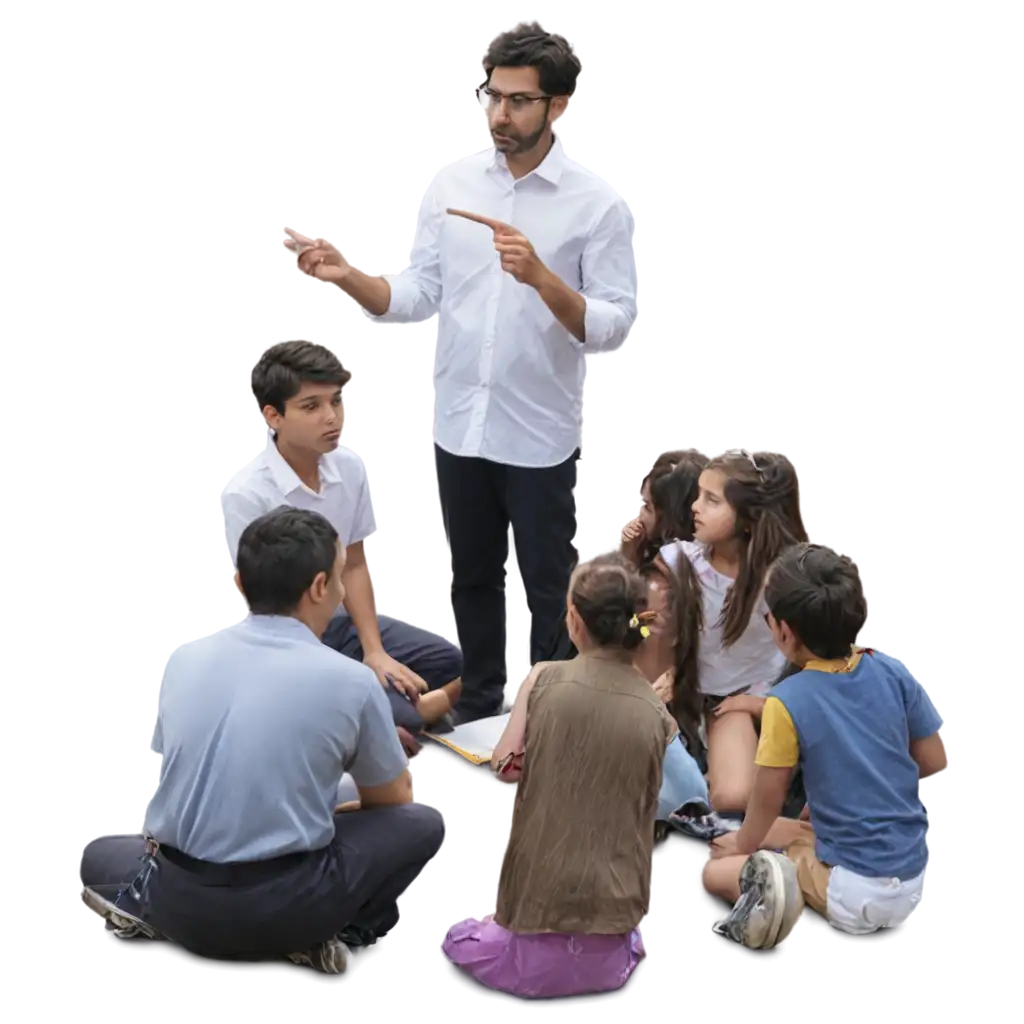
<point>355,936</point>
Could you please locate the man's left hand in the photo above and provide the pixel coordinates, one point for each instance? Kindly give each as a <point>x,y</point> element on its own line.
<point>518,256</point>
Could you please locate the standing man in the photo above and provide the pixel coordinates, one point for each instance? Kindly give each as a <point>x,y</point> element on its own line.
<point>514,332</point>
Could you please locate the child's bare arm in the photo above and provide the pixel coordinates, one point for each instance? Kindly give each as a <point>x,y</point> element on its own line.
<point>514,737</point>
<point>931,754</point>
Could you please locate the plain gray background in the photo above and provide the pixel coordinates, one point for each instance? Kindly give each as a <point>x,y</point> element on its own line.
<point>146,159</point>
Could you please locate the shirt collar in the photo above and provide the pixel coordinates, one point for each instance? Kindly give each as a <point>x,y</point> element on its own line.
<point>838,665</point>
<point>285,477</point>
<point>281,626</point>
<point>550,169</point>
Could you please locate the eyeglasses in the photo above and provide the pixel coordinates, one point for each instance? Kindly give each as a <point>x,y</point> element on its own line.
<point>517,102</point>
<point>742,453</point>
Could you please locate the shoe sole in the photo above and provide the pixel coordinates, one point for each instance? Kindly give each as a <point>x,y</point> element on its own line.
<point>794,902</point>
<point>332,960</point>
<point>768,872</point>
<point>776,880</point>
<point>118,918</point>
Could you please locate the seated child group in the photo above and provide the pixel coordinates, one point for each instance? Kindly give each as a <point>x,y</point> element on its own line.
<point>717,693</point>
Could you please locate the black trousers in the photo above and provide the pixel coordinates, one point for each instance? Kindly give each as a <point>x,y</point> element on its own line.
<point>274,907</point>
<point>412,881</point>
<point>480,499</point>
<point>431,657</point>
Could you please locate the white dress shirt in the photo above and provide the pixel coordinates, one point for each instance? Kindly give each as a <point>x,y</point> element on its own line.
<point>508,376</point>
<point>268,482</point>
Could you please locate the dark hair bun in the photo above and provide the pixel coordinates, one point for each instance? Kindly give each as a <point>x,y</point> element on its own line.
<point>608,593</point>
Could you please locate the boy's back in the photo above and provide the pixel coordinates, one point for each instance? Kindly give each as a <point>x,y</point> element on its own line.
<point>864,733</point>
<point>854,730</point>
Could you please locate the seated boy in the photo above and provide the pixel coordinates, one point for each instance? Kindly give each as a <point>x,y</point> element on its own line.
<point>865,733</point>
<point>298,387</point>
<point>246,853</point>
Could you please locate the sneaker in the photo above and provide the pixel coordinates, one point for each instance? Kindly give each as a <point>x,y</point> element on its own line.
<point>330,957</point>
<point>770,902</point>
<point>123,924</point>
<point>695,820</point>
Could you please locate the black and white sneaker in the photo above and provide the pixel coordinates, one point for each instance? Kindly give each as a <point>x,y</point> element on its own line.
<point>330,957</point>
<point>770,902</point>
<point>699,821</point>
<point>123,924</point>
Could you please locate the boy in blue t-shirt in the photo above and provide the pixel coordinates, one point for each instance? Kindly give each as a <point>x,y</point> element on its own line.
<point>864,733</point>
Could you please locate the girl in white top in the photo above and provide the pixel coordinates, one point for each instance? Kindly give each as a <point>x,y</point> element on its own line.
<point>746,514</point>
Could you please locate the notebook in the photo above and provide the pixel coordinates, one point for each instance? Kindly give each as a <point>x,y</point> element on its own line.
<point>475,741</point>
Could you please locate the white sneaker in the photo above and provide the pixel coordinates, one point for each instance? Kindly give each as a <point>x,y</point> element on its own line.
<point>770,902</point>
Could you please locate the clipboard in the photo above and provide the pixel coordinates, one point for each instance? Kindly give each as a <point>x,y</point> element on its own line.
<point>475,741</point>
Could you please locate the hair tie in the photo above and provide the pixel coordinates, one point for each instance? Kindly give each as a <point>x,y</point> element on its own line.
<point>636,625</point>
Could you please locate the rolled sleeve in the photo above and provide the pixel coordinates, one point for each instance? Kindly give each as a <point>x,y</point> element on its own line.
<point>406,297</point>
<point>609,281</point>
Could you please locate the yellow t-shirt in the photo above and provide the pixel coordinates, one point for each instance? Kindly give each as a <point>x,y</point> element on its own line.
<point>779,746</point>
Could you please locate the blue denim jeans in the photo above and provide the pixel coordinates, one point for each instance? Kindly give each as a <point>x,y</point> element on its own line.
<point>682,781</point>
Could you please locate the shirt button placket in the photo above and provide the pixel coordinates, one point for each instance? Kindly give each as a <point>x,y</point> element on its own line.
<point>497,282</point>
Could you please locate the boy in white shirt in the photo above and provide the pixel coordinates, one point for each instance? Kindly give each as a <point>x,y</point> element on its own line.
<point>298,387</point>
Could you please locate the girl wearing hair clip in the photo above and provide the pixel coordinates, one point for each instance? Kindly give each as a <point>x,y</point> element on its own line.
<point>747,512</point>
<point>586,741</point>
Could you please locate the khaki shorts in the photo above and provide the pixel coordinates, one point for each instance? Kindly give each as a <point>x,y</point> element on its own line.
<point>812,875</point>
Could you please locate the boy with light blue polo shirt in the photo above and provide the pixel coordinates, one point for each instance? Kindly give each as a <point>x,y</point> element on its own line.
<point>245,854</point>
<point>865,733</point>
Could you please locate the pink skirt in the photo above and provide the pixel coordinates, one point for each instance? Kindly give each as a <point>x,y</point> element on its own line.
<point>542,966</point>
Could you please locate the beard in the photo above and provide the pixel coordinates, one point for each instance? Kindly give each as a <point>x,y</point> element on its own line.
<point>516,142</point>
